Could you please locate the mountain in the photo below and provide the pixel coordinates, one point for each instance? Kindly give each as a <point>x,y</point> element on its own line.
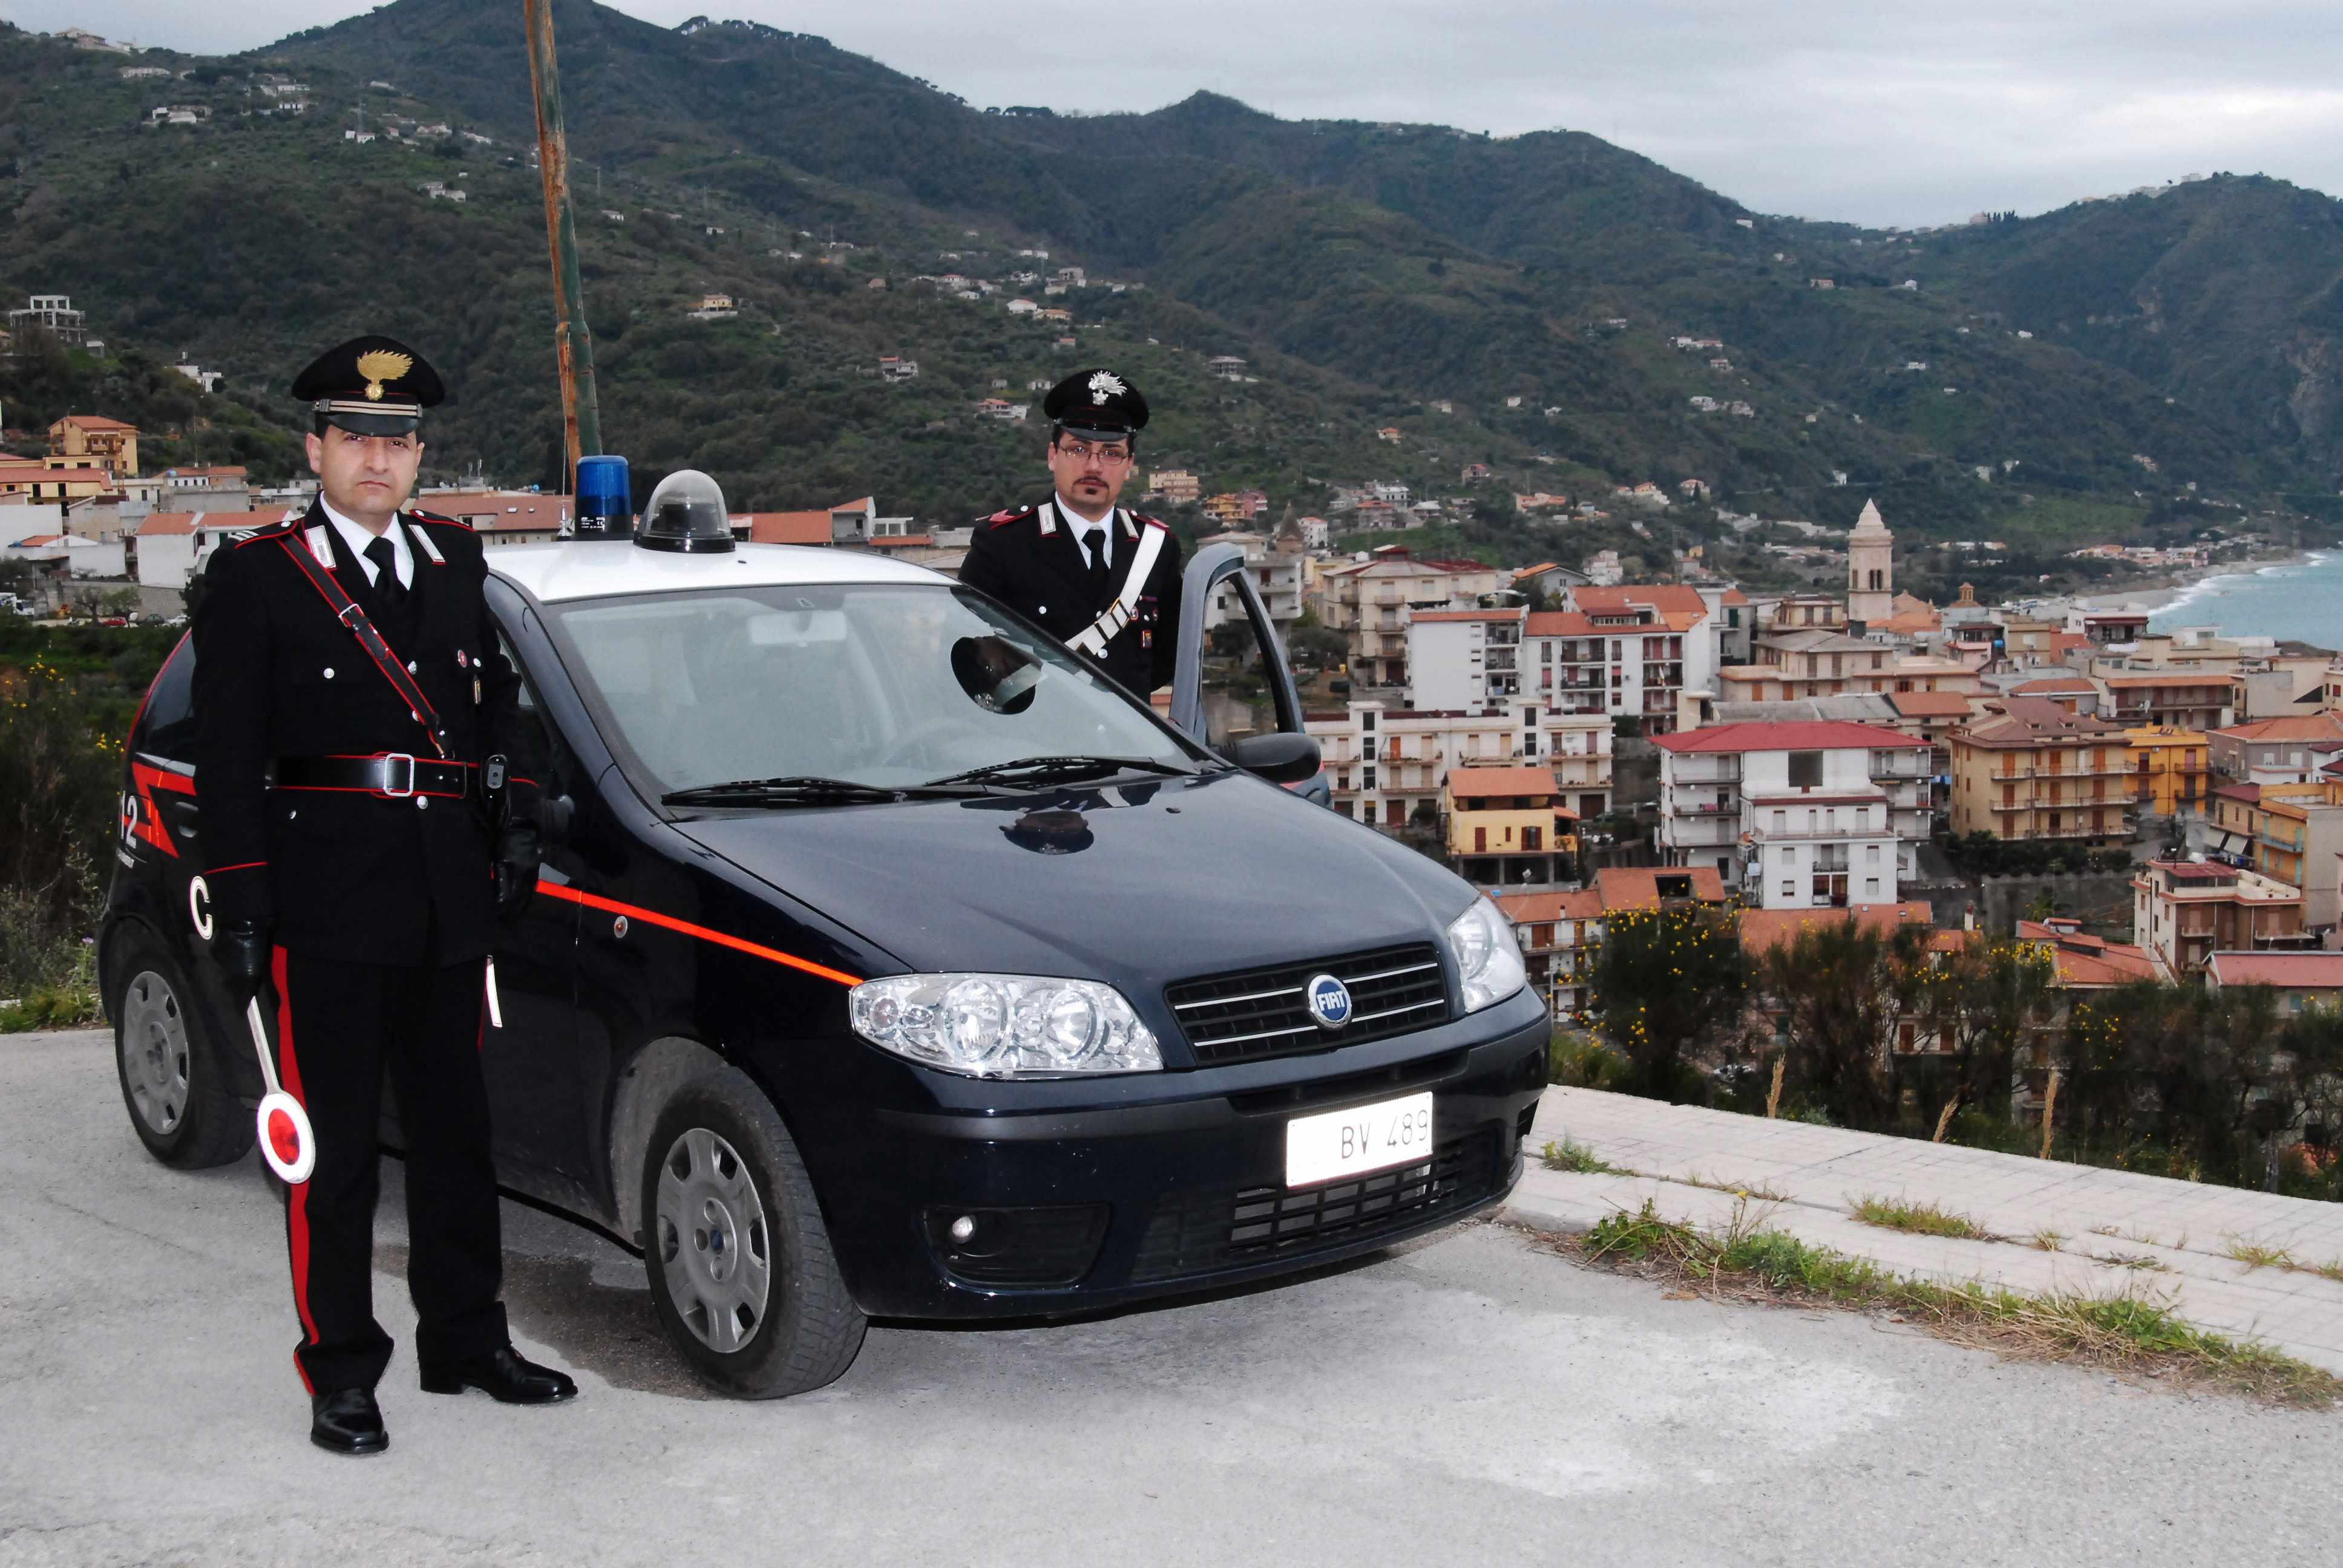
<point>1367,273</point>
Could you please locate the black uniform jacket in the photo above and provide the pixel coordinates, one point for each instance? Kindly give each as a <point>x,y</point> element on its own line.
<point>1044,577</point>
<point>348,874</point>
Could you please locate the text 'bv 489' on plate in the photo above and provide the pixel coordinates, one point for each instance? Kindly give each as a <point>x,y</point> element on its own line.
<point>1364,1138</point>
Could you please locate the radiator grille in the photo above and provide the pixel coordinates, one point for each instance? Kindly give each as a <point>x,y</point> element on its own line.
<point>1253,1013</point>
<point>1197,1233</point>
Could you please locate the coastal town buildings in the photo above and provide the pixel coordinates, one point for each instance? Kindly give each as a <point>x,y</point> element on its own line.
<point>2184,911</point>
<point>1812,815</point>
<point>2039,772</point>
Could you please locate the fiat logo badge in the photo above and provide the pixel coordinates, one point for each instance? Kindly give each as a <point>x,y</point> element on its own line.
<point>1330,1000</point>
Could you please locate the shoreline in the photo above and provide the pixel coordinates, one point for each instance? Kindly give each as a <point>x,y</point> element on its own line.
<point>2158,595</point>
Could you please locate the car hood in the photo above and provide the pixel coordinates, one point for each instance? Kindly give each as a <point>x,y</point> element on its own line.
<point>1139,884</point>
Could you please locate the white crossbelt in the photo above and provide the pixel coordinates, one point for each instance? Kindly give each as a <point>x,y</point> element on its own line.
<point>1092,639</point>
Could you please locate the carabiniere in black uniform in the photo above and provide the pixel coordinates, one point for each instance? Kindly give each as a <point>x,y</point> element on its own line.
<point>1126,618</point>
<point>364,816</point>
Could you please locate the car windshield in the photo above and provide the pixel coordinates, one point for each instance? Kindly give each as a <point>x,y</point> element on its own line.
<point>891,685</point>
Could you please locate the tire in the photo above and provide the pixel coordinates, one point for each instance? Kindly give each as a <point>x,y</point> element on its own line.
<point>178,1091</point>
<point>741,1271</point>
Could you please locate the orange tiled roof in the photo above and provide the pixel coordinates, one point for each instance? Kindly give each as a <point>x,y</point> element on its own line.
<point>1638,887</point>
<point>1478,783</point>
<point>1523,907</point>
<point>1764,929</point>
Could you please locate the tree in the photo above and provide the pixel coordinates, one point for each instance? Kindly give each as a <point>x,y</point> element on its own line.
<point>1979,1004</point>
<point>1845,991</point>
<point>1664,981</point>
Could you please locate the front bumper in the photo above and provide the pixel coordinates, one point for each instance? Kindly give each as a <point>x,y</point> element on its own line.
<point>1179,1187</point>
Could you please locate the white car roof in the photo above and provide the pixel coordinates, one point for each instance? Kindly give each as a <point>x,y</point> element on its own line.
<point>596,568</point>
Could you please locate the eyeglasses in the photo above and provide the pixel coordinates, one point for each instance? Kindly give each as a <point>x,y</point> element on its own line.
<point>1105,457</point>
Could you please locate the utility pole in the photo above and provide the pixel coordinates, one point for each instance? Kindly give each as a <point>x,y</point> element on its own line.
<point>581,420</point>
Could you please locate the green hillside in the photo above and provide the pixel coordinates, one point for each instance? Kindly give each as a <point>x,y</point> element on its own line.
<point>1364,272</point>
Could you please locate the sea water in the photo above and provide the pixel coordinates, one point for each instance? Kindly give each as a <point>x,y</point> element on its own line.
<point>2301,600</point>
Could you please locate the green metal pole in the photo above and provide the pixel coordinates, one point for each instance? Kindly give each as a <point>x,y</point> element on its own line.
<point>581,416</point>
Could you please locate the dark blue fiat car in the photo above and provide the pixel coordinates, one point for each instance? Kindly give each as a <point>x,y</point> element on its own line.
<point>887,961</point>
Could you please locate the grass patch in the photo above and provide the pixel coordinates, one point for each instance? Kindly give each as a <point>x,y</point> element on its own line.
<point>2254,1256</point>
<point>1567,1154</point>
<point>2136,1261</point>
<point>2125,1333</point>
<point>1917,1218</point>
<point>1754,1190</point>
<point>2047,1241</point>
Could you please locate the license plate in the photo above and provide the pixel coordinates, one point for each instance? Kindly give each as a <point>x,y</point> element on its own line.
<point>1362,1138</point>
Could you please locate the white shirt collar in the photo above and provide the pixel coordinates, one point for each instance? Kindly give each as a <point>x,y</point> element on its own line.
<point>1083,527</point>
<point>358,538</point>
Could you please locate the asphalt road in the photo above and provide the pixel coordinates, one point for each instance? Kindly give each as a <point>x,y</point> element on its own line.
<point>1475,1398</point>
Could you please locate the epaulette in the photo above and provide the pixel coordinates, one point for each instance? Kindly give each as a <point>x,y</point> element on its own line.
<point>998,519</point>
<point>275,531</point>
<point>422,517</point>
<point>1146,521</point>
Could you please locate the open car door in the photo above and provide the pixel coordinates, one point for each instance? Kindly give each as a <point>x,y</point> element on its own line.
<point>1284,754</point>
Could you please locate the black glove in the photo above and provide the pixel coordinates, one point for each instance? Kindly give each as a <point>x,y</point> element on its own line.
<point>518,854</point>
<point>240,948</point>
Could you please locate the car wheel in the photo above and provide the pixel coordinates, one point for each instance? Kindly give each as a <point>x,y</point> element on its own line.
<point>741,1265</point>
<point>181,1099</point>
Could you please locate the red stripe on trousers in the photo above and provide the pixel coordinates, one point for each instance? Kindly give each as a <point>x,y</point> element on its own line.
<point>296,1204</point>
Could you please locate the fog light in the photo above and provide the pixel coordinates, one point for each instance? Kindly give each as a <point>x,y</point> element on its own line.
<point>1017,1246</point>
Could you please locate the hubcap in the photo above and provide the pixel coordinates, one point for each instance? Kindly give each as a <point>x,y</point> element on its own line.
<point>154,1044</point>
<point>714,1250</point>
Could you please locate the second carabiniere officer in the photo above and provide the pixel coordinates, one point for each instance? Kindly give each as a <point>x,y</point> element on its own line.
<point>367,804</point>
<point>1101,579</point>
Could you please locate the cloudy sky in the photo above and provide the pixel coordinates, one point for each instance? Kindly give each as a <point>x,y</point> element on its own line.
<point>1848,109</point>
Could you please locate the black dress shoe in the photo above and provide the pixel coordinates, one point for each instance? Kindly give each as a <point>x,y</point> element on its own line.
<point>504,1375</point>
<point>347,1422</point>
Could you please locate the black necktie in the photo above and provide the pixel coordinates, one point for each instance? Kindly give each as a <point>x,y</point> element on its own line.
<point>1095,542</point>
<point>386,586</point>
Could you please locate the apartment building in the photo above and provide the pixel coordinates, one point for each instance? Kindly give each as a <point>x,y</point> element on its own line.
<point>2300,979</point>
<point>1558,933</point>
<point>1386,765</point>
<point>2184,911</point>
<point>1464,657</point>
<point>1711,613</point>
<point>2039,772</point>
<point>1370,602</point>
<point>1276,572</point>
<point>2276,751</point>
<point>1507,824</point>
<point>2297,835</point>
<point>2168,771</point>
<point>1634,652</point>
<point>1798,816</point>
<point>1799,664</point>
<point>2178,698</point>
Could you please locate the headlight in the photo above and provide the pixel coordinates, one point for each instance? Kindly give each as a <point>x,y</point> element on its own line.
<point>1487,955</point>
<point>1004,1026</point>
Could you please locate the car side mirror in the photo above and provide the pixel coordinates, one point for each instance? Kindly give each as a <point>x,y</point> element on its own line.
<point>1281,756</point>
<point>553,815</point>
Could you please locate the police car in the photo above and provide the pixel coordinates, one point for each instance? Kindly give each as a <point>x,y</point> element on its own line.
<point>887,961</point>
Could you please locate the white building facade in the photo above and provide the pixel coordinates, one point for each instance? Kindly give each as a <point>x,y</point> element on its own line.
<point>1386,764</point>
<point>1798,816</point>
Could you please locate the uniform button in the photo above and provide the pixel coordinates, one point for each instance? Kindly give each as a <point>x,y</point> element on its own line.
<point>410,667</point>
<point>329,672</point>
<point>423,803</point>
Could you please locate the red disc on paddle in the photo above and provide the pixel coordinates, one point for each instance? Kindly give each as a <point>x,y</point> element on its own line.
<point>284,1137</point>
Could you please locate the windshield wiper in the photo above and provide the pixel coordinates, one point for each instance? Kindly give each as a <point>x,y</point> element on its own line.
<point>805,790</point>
<point>1041,769</point>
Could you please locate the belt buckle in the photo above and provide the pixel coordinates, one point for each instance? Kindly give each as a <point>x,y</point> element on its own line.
<point>390,789</point>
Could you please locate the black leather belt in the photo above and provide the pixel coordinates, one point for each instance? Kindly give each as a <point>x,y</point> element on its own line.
<point>394,775</point>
